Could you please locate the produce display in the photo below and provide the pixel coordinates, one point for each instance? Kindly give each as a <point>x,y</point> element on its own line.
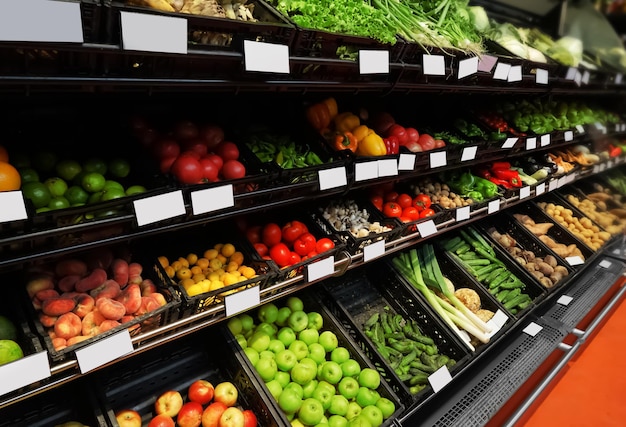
<point>537,167</point>
<point>440,194</point>
<point>283,150</point>
<point>308,373</point>
<point>617,179</point>
<point>10,349</point>
<point>347,216</point>
<point>540,230</point>
<point>608,220</point>
<point>401,205</point>
<point>468,185</point>
<point>479,259</point>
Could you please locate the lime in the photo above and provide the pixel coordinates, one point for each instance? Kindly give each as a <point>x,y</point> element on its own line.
<point>93,182</point>
<point>8,331</point>
<point>95,197</point>
<point>95,164</point>
<point>76,195</point>
<point>119,168</point>
<point>106,212</point>
<point>58,202</point>
<point>68,169</point>
<point>113,184</point>
<point>28,175</point>
<point>44,161</point>
<point>38,193</point>
<point>20,160</point>
<point>57,186</point>
<point>112,193</point>
<point>9,351</point>
<point>43,209</point>
<point>135,189</point>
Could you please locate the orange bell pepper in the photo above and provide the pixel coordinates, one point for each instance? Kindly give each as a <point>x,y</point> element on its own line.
<point>332,107</point>
<point>318,116</point>
<point>345,141</point>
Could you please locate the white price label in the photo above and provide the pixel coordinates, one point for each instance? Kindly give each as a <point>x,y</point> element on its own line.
<point>374,250</point>
<point>578,78</point>
<point>618,79</point>
<point>438,159</point>
<point>365,170</point>
<point>332,178</point>
<point>406,162</point>
<point>585,77</point>
<point>319,269</point>
<point>553,185</point>
<point>153,33</point>
<point>502,71</point>
<point>580,129</point>
<point>541,76</point>
<point>160,207</point>
<point>374,61</point>
<point>564,300</point>
<point>571,73</point>
<point>509,143</point>
<point>545,140</point>
<point>427,228</point>
<point>568,135</point>
<point>12,206</point>
<point>574,260</point>
<point>499,318</point>
<point>486,63</point>
<point>462,213</point>
<point>41,21</point>
<point>605,263</point>
<point>561,181</point>
<point>532,329</point>
<point>440,378</point>
<point>434,65</point>
<point>104,351</point>
<point>241,301</point>
<point>469,153</point>
<point>467,67</point>
<point>524,192</point>
<point>493,206</point>
<point>540,189</point>
<point>387,167</point>
<point>212,199</point>
<point>515,74</point>
<point>531,143</point>
<point>24,371</point>
<point>266,57</point>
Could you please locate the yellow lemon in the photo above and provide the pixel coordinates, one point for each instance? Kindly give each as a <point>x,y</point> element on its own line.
<point>228,249</point>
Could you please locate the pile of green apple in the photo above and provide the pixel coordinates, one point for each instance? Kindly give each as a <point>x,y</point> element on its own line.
<point>315,381</point>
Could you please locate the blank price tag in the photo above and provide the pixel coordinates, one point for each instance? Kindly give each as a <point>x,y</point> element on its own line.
<point>564,300</point>
<point>541,76</point>
<point>515,74</point>
<point>493,206</point>
<point>502,71</point>
<point>571,73</point>
<point>585,77</point>
<point>618,79</point>
<point>578,78</point>
<point>469,153</point>
<point>212,199</point>
<point>242,300</point>
<point>332,178</point>
<point>605,263</point>
<point>427,228</point>
<point>574,260</point>
<point>434,65</point>
<point>545,140</point>
<point>524,192</point>
<point>467,67</point>
<point>509,143</point>
<point>374,250</point>
<point>580,129</point>
<point>553,185</point>
<point>104,351</point>
<point>365,170</point>
<point>13,208</point>
<point>532,329</point>
<point>440,378</point>
<point>499,318</point>
<point>266,57</point>
<point>41,21</point>
<point>153,33</point>
<point>438,159</point>
<point>561,181</point>
<point>160,207</point>
<point>540,189</point>
<point>531,143</point>
<point>462,213</point>
<point>406,162</point>
<point>24,371</point>
<point>322,268</point>
<point>387,167</point>
<point>374,61</point>
<point>568,135</point>
<point>486,63</point>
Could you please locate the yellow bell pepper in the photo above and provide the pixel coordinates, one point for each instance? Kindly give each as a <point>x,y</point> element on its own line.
<point>332,107</point>
<point>360,132</point>
<point>371,145</point>
<point>345,122</point>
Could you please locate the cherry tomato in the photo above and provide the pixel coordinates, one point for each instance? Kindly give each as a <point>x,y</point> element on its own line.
<point>281,254</point>
<point>411,212</point>
<point>253,234</point>
<point>391,209</point>
<point>233,169</point>
<point>210,170</point>
<point>305,244</point>
<point>427,212</point>
<point>271,235</point>
<point>324,244</point>
<point>291,231</point>
<point>391,196</point>
<point>165,148</point>
<point>422,201</point>
<point>404,200</point>
<point>377,201</point>
<point>426,141</point>
<point>227,150</point>
<point>294,258</point>
<point>216,159</point>
<point>261,249</point>
<point>187,170</point>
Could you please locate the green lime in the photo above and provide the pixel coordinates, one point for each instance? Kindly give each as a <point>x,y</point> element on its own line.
<point>113,184</point>
<point>93,182</point>
<point>112,193</point>
<point>43,209</point>
<point>28,175</point>
<point>8,331</point>
<point>9,351</point>
<point>58,202</point>
<point>95,197</point>
<point>119,168</point>
<point>20,160</point>
<point>44,161</point>
<point>95,164</point>
<point>68,169</point>
<point>56,185</point>
<point>135,189</point>
<point>106,212</point>
<point>76,195</point>
<point>38,193</point>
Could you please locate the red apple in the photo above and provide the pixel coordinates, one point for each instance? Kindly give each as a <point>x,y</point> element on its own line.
<point>200,391</point>
<point>226,392</point>
<point>249,419</point>
<point>190,415</point>
<point>232,417</point>
<point>128,418</point>
<point>162,420</point>
<point>169,403</point>
<point>212,413</point>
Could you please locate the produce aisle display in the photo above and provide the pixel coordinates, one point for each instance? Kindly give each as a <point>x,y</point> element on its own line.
<point>266,213</point>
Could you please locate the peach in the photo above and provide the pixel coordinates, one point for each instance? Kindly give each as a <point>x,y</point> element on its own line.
<point>39,283</point>
<point>160,298</point>
<point>147,287</point>
<point>59,343</point>
<point>96,278</point>
<point>76,340</point>
<point>68,325</point>
<point>84,304</point>
<point>45,294</point>
<point>109,289</point>
<point>119,267</point>
<point>47,321</point>
<point>110,309</point>
<point>99,258</point>
<point>108,325</point>
<point>127,318</point>
<point>134,273</point>
<point>71,266</point>
<point>148,304</point>
<point>68,283</point>
<point>131,298</point>
<point>90,324</point>
<point>57,306</point>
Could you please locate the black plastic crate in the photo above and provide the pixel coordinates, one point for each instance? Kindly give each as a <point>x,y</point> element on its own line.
<point>357,297</point>
<point>175,367</point>
<point>599,214</point>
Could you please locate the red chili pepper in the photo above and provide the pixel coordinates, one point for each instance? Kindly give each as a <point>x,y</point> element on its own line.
<point>614,151</point>
<point>392,144</point>
<point>483,173</point>
<point>501,182</point>
<point>511,176</point>
<point>500,165</point>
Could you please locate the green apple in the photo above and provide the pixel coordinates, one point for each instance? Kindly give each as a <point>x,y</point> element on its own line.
<point>286,335</point>
<point>235,325</point>
<point>289,401</point>
<point>300,349</point>
<point>252,355</point>
<point>309,388</point>
<point>328,386</point>
<point>366,396</point>
<point>302,373</point>
<point>337,421</point>
<point>373,414</point>
<point>296,387</point>
<point>348,387</point>
<point>339,355</point>
<point>323,423</point>
<point>359,421</point>
<point>241,340</point>
<point>268,313</point>
<point>369,378</point>
<point>282,316</point>
<point>268,328</point>
<point>275,388</point>
<point>297,320</point>
<point>331,372</point>
<point>317,353</point>
<point>276,346</point>
<point>322,395</point>
<point>350,368</point>
<point>329,341</point>
<point>338,405</point>
<point>310,362</point>
<point>294,422</point>
<point>266,368</point>
<point>353,410</point>
<point>286,360</point>
<point>266,354</point>
<point>247,322</point>
<point>295,303</point>
<point>311,412</point>
<point>386,406</point>
<point>309,336</point>
<point>283,378</point>
<point>259,341</point>
<point>316,321</point>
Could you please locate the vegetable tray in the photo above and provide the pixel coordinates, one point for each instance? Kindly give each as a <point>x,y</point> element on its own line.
<point>609,222</point>
<point>356,297</point>
<point>138,383</point>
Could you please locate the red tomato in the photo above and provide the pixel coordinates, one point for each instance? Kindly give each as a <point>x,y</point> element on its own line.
<point>422,201</point>
<point>305,244</point>
<point>440,143</point>
<point>427,212</point>
<point>405,219</point>
<point>412,135</point>
<point>196,145</point>
<point>411,212</point>
<point>391,209</point>
<point>302,225</point>
<point>253,234</point>
<point>191,153</point>
<point>185,129</point>
<point>166,147</point>
<point>294,258</point>
<point>404,200</point>
<point>391,196</point>
<point>233,169</point>
<point>261,249</point>
<point>377,201</point>
<point>281,254</point>
<point>166,164</point>
<point>209,169</point>
<point>399,132</point>
<point>216,159</point>
<point>426,141</point>
<point>187,170</point>
<point>227,150</point>
<point>291,232</point>
<point>212,134</point>
<point>271,234</point>
<point>324,244</point>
